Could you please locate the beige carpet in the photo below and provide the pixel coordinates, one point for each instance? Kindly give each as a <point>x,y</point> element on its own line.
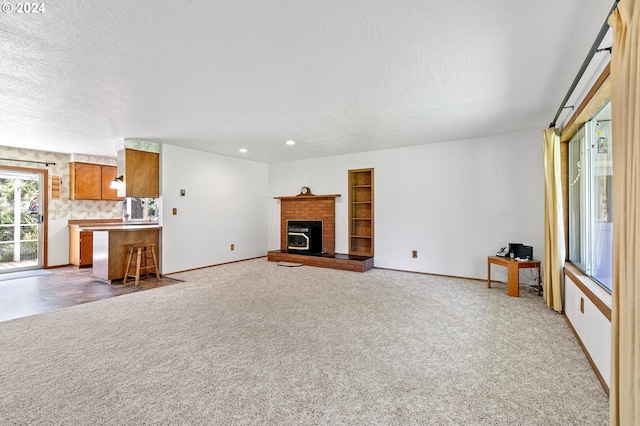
<point>255,343</point>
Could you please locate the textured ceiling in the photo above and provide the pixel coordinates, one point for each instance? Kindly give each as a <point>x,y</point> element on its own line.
<point>336,76</point>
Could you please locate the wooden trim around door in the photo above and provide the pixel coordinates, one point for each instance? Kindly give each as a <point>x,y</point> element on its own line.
<point>44,210</point>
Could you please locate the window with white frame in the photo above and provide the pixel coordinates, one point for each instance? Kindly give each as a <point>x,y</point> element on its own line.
<point>591,198</point>
<point>145,209</point>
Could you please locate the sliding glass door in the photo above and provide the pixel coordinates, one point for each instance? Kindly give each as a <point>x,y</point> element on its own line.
<point>20,220</point>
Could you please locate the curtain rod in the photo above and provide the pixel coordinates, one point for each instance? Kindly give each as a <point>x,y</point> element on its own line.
<point>585,64</point>
<point>46,163</point>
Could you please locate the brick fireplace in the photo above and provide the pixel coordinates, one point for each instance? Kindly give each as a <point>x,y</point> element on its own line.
<point>312,207</point>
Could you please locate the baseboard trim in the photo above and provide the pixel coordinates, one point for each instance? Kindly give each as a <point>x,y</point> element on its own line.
<point>212,266</point>
<point>436,275</point>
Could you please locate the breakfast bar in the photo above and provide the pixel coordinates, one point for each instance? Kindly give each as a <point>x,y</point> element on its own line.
<point>111,246</point>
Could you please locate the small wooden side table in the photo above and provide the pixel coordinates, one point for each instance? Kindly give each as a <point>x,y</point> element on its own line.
<point>513,272</point>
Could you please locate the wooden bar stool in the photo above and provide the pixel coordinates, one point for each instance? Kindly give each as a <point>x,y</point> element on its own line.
<point>145,263</point>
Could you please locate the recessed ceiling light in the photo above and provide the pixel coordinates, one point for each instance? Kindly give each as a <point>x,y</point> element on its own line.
<point>290,142</point>
<point>243,149</point>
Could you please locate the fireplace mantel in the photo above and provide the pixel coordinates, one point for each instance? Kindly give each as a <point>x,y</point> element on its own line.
<point>298,197</point>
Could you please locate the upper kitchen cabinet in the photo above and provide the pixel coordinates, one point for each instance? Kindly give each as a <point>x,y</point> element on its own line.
<point>85,181</point>
<point>91,181</point>
<point>141,171</point>
<point>109,173</point>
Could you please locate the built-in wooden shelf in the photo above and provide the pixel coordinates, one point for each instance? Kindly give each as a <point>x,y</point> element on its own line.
<point>361,212</point>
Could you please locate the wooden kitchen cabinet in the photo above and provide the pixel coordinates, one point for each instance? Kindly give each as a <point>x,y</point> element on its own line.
<point>141,170</point>
<point>91,181</point>
<point>85,181</point>
<point>80,248</point>
<point>81,240</point>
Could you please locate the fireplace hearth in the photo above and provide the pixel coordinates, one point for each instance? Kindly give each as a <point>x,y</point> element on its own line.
<point>304,237</point>
<point>318,209</point>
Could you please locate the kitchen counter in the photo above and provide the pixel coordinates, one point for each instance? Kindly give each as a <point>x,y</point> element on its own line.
<point>117,227</point>
<point>81,239</point>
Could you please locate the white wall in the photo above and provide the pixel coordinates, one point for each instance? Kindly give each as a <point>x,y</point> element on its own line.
<point>455,202</point>
<point>225,204</point>
<point>592,327</point>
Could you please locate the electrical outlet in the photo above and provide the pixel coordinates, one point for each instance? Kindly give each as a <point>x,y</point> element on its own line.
<point>414,254</point>
<point>233,246</point>
<point>175,211</point>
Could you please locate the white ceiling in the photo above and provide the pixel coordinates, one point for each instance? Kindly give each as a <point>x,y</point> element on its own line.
<point>337,76</point>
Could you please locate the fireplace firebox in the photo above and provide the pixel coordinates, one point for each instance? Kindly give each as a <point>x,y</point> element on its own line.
<point>304,236</point>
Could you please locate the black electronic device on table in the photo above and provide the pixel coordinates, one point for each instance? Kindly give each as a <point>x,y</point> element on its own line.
<point>525,252</point>
<point>520,251</point>
<point>516,251</point>
<point>513,249</point>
